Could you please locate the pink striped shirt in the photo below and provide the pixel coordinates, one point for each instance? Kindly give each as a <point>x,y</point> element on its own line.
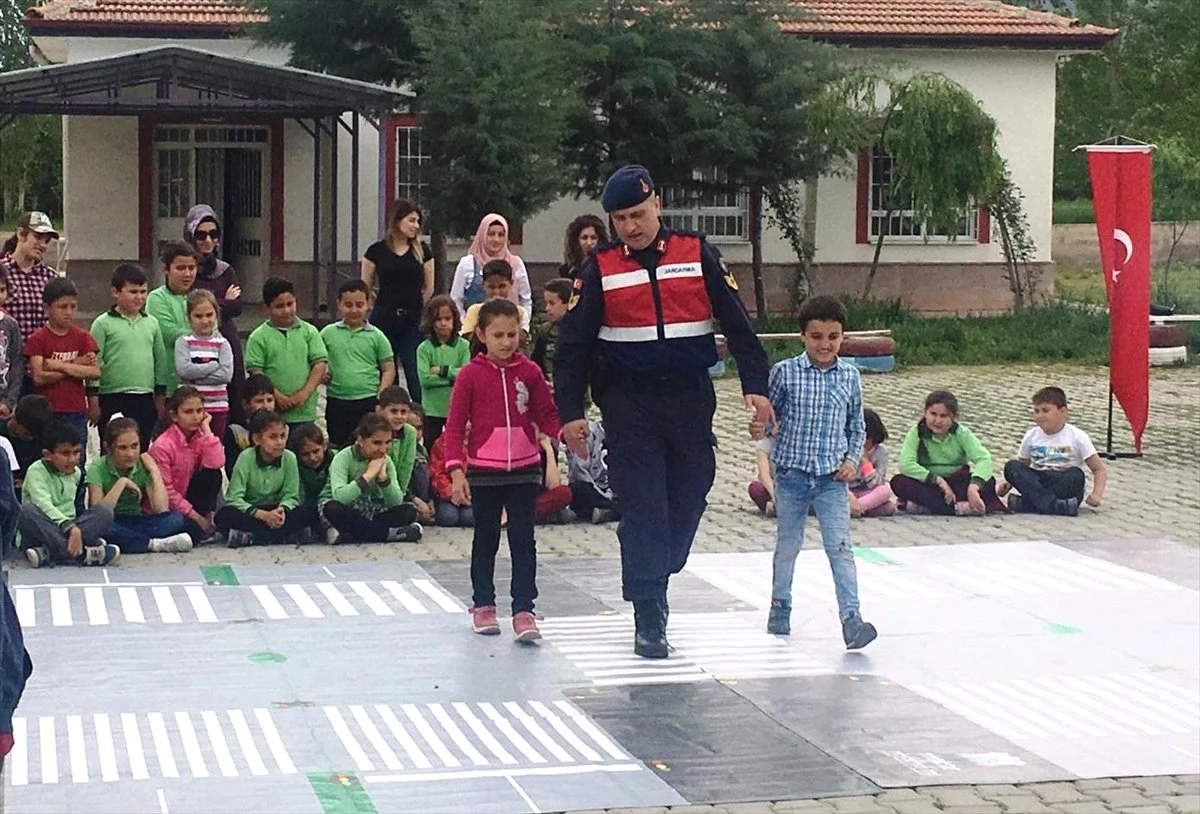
<point>206,363</point>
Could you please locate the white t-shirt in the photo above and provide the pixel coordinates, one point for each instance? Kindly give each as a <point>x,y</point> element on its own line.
<point>1066,448</point>
<point>521,293</point>
<point>7,446</point>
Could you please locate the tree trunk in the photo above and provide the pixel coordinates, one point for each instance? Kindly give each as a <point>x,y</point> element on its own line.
<point>866,295</point>
<point>811,186</point>
<point>756,257</point>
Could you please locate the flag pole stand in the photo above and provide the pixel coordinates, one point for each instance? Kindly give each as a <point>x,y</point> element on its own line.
<point>1108,453</point>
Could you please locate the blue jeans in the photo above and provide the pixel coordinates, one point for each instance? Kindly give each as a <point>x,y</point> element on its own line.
<point>795,491</point>
<point>133,532</point>
<point>80,422</point>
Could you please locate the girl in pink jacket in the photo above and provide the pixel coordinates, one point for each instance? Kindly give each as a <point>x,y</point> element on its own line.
<point>190,458</point>
<point>504,399</point>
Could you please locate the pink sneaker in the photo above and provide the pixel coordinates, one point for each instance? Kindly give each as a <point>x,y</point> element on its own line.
<point>525,627</point>
<point>484,622</point>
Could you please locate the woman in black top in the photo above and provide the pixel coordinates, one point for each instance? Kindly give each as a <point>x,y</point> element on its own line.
<point>403,267</point>
<point>584,234</point>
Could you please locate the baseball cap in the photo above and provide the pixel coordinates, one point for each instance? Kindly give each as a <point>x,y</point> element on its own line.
<point>40,222</point>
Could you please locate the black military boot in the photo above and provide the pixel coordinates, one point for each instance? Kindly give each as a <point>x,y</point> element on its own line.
<point>650,624</point>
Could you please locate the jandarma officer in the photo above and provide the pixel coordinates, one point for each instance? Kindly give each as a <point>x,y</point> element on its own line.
<point>646,303</point>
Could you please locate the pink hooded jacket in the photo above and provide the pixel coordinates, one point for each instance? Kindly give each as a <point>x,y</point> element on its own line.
<point>506,405</point>
<point>179,457</point>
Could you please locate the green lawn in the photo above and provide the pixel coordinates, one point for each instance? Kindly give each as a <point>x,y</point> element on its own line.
<point>1179,287</point>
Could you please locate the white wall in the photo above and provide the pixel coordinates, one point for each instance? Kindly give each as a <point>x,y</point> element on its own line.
<point>75,49</point>
<point>100,186</point>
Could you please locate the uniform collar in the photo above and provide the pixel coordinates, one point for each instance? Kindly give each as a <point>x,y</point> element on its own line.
<point>658,245</point>
<point>258,456</point>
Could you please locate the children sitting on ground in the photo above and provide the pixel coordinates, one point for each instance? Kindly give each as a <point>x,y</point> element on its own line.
<point>762,488</point>
<point>290,352</point>
<point>23,429</point>
<point>361,363</point>
<point>1048,475</point>
<point>363,500</point>
<point>132,382</point>
<point>556,295</point>
<point>817,399</point>
<point>314,457</point>
<point>591,496</point>
<point>439,358</point>
<point>204,358</point>
<point>264,492</point>
<point>497,285</point>
<point>394,405</point>
<point>446,511</point>
<point>506,402</point>
<point>257,394</point>
<point>870,495</point>
<point>52,530</point>
<point>555,496</point>
<point>12,358</point>
<point>128,482</point>
<point>190,458</point>
<point>944,469</point>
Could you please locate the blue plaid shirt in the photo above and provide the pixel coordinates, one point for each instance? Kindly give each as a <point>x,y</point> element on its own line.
<point>820,415</point>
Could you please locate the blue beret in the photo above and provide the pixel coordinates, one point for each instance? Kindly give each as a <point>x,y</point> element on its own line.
<point>627,187</point>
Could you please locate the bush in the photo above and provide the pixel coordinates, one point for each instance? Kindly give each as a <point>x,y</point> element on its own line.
<point>1075,210</point>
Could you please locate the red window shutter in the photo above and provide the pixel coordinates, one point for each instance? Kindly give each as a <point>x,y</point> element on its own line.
<point>984,225</point>
<point>862,220</point>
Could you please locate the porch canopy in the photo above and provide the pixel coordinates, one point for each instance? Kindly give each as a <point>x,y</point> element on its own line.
<point>178,80</point>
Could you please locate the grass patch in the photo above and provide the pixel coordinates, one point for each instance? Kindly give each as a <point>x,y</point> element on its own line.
<point>1074,210</point>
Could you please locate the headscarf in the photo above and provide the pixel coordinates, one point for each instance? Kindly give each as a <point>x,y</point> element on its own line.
<point>478,249</point>
<point>209,266</point>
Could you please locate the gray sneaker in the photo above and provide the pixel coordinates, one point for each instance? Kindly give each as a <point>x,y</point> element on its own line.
<point>856,633</point>
<point>239,539</point>
<point>1014,502</point>
<point>38,556</point>
<point>102,554</point>
<point>1068,507</point>
<point>405,534</point>
<point>779,620</point>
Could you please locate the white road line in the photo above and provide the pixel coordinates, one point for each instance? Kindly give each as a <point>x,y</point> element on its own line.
<point>456,734</point>
<point>509,732</point>
<point>200,604</point>
<point>489,740</point>
<point>410,602</point>
<point>303,601</point>
<point>18,758</point>
<point>26,603</point>
<point>1096,710</point>
<point>60,607</point>
<point>106,748</point>
<point>1092,568</point>
<point>339,602</point>
<point>131,606</point>
<point>372,599</point>
<point>422,726</point>
<point>162,745</point>
<point>965,693</point>
<point>347,738</point>
<point>1122,701</point>
<point>49,749</point>
<point>401,735</point>
<point>1184,691</point>
<point>268,601</point>
<point>375,738</point>
<point>325,568</point>
<point>162,802</point>
<point>93,598</point>
<point>535,729</point>
<point>1067,579</point>
<point>1022,697</point>
<point>1188,717</point>
<point>133,746</point>
<point>528,800</point>
<point>565,731</point>
<point>969,712</point>
<point>955,576</point>
<point>275,743</point>
<point>1181,696</point>
<point>245,739</point>
<point>77,749</point>
<point>539,771</point>
<point>166,605</point>
<point>592,731</point>
<point>191,745</point>
<point>1018,707</point>
<point>1149,580</point>
<point>440,598</point>
<point>216,736</point>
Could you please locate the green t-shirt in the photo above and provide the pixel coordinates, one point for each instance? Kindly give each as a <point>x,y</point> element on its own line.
<point>354,359</point>
<point>102,473</point>
<point>125,367</point>
<point>343,485</point>
<point>287,356</point>
<point>435,387</point>
<point>170,310</point>
<point>403,452</point>
<point>255,485</point>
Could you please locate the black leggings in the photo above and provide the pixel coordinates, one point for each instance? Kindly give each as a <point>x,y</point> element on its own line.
<point>295,521</point>
<point>487,504</point>
<point>203,491</point>
<point>355,528</point>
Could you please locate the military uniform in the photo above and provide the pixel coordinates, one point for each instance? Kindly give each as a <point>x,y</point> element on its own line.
<point>639,328</point>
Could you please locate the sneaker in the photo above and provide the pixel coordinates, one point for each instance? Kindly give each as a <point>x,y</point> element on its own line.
<point>1014,502</point>
<point>601,516</point>
<point>484,622</point>
<point>102,554</point>
<point>38,556</point>
<point>856,633</point>
<point>963,509</point>
<point>239,539</point>
<point>175,544</point>
<point>525,627</point>
<point>1068,507</point>
<point>332,536</point>
<point>405,534</point>
<point>779,621</point>
<point>916,508</point>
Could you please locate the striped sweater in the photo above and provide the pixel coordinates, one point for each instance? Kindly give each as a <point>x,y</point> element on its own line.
<point>206,363</point>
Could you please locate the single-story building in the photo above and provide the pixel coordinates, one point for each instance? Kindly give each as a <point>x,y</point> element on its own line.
<point>128,179</point>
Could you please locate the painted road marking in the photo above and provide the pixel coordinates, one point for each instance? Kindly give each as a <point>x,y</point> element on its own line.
<point>95,751</point>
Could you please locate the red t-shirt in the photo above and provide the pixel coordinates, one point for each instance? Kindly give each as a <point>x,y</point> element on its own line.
<point>66,395</point>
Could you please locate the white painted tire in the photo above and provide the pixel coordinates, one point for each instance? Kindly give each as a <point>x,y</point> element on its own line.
<point>1160,357</point>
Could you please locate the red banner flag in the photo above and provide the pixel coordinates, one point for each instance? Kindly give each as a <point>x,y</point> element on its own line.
<point>1121,197</point>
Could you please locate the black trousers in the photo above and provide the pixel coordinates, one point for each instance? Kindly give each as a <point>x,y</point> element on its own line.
<point>342,416</point>
<point>661,466</point>
<point>585,499</point>
<point>487,504</point>
<point>138,406</point>
<point>1039,488</point>
<point>356,528</point>
<point>203,491</point>
<point>295,521</point>
<point>434,427</point>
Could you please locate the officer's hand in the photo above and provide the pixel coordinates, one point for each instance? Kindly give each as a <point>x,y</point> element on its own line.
<point>575,434</point>
<point>764,413</point>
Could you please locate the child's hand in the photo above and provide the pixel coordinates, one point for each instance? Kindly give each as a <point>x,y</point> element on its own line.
<point>947,492</point>
<point>757,429</point>
<point>284,402</point>
<point>148,461</point>
<point>856,509</point>
<point>846,472</point>
<point>93,412</point>
<point>202,521</point>
<point>87,360</point>
<point>206,424</point>
<point>5,412</point>
<point>460,494</point>
<point>75,542</point>
<point>425,512</point>
<point>274,518</point>
<point>975,500</point>
<point>1092,500</point>
<point>1003,489</point>
<point>128,485</point>
<point>233,292</point>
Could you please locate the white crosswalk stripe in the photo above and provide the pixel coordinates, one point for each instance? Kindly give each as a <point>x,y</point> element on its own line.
<point>445,736</point>
<point>1071,706</point>
<point>707,646</point>
<point>107,605</point>
<point>81,749</point>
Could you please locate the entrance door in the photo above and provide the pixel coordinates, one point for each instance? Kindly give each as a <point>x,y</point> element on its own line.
<point>222,167</point>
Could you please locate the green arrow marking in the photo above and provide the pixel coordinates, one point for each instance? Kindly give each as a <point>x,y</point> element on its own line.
<point>1055,627</point>
<point>219,574</point>
<point>872,556</point>
<point>267,658</point>
<point>340,793</point>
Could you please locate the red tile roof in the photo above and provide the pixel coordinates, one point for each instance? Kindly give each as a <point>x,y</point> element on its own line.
<point>901,22</point>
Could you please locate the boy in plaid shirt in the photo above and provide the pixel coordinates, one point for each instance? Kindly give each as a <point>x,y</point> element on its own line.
<point>817,400</point>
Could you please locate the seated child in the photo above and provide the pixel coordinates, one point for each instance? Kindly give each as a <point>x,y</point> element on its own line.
<point>870,495</point>
<point>591,496</point>
<point>190,458</point>
<point>1048,476</point>
<point>51,529</point>
<point>446,511</point>
<point>554,497</point>
<point>314,456</point>
<point>264,490</point>
<point>128,482</point>
<point>23,430</point>
<point>363,500</point>
<point>944,469</point>
<point>762,488</point>
<point>420,491</point>
<point>394,405</point>
<point>258,393</point>
<point>556,294</point>
<point>439,358</point>
<point>497,285</point>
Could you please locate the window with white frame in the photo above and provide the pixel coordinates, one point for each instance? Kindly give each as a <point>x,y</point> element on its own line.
<point>411,163</point>
<point>721,214</point>
<point>896,219</point>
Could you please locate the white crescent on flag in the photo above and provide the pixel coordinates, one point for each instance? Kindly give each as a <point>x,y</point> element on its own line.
<point>1122,237</point>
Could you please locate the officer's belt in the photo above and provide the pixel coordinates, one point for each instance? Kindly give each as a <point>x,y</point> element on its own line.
<point>664,383</point>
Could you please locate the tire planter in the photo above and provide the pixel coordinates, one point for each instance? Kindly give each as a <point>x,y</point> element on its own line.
<point>1160,357</point>
<point>868,346</point>
<point>1168,336</point>
<point>873,364</point>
